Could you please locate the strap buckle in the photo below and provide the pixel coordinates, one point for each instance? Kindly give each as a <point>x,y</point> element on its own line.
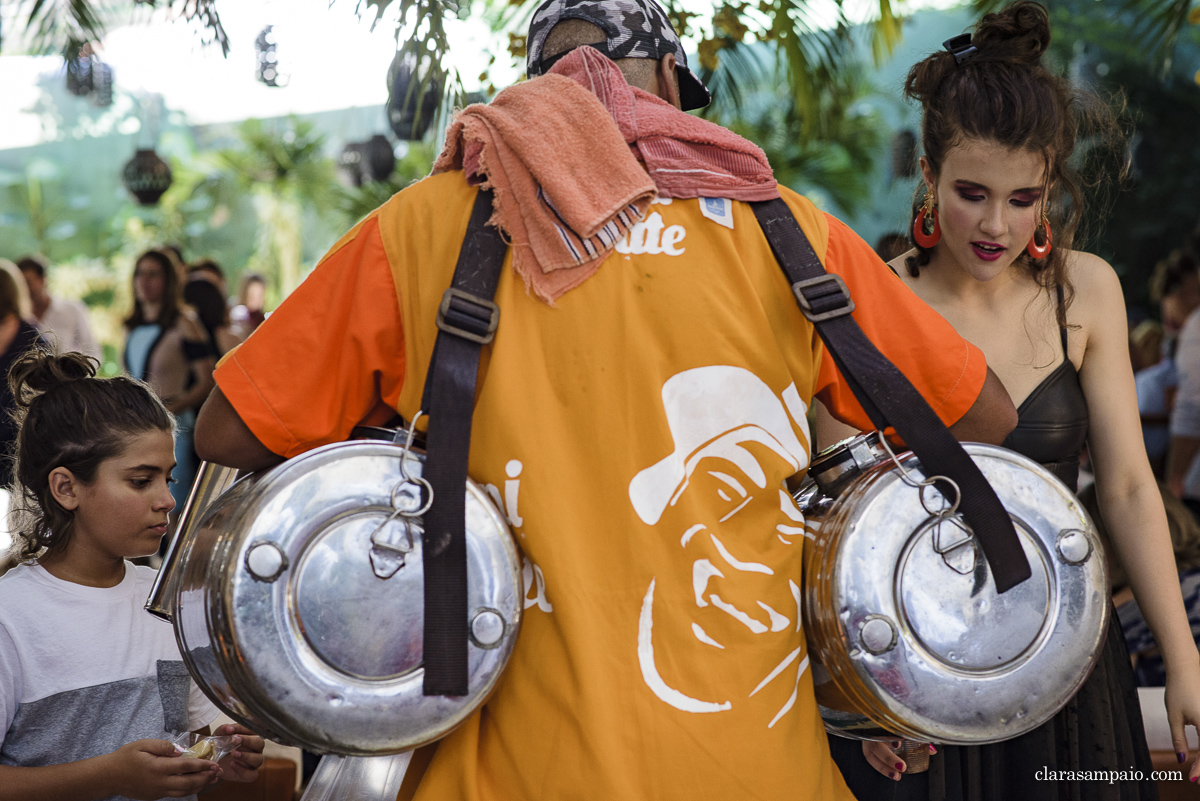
<point>826,297</point>
<point>468,316</point>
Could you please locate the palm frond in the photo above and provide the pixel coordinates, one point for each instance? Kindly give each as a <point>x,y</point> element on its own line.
<point>1151,26</point>
<point>62,25</point>
<point>66,25</point>
<point>1156,25</point>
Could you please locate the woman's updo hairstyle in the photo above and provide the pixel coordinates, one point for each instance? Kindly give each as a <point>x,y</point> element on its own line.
<point>1002,93</point>
<point>68,418</point>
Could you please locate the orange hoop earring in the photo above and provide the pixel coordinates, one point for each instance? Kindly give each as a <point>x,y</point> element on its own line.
<point>1035,250</point>
<point>928,209</point>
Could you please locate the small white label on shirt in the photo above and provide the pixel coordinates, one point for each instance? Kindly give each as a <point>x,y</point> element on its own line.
<point>718,209</point>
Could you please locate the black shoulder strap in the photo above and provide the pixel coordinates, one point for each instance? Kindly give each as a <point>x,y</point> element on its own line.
<point>466,321</point>
<point>886,394</point>
<point>1062,329</point>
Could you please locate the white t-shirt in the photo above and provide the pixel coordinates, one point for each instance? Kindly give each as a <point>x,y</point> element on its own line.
<point>65,325</point>
<point>85,670</point>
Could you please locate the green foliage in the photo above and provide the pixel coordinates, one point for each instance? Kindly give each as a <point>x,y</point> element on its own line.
<point>1156,209</point>
<point>285,159</point>
<point>36,191</point>
<point>67,25</point>
<point>1144,30</point>
<point>284,167</point>
<point>358,202</point>
<point>835,161</point>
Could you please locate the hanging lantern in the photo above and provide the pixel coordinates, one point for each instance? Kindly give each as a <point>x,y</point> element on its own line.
<point>413,96</point>
<point>268,61</point>
<point>904,155</point>
<point>350,160</point>
<point>378,158</point>
<point>372,160</point>
<point>147,176</point>
<point>80,75</point>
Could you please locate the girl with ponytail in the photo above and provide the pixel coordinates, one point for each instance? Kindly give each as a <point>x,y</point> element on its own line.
<point>91,686</point>
<point>994,226</point>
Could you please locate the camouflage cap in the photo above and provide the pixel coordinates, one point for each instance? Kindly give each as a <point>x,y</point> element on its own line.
<point>635,29</point>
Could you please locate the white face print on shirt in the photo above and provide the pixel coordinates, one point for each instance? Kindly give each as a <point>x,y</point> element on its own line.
<point>730,432</point>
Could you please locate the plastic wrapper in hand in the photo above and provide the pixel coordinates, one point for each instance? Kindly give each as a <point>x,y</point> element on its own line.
<point>196,746</point>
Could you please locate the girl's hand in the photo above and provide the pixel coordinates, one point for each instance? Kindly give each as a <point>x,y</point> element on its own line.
<point>242,765</point>
<point>150,769</point>
<point>1182,699</point>
<point>884,759</point>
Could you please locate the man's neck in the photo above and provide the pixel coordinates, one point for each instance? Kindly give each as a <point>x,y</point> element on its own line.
<point>40,304</point>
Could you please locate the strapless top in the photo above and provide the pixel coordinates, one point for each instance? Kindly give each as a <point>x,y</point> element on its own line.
<point>1052,422</point>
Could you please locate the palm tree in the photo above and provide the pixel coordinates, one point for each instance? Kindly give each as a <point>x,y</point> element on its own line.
<point>285,170</point>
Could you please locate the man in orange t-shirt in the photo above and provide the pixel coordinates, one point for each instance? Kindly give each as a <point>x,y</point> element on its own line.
<point>637,436</point>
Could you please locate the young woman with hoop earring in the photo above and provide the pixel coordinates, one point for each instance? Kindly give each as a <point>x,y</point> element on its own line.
<point>993,231</point>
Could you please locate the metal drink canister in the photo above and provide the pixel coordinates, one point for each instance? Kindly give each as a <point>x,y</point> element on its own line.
<point>907,634</point>
<point>299,602</point>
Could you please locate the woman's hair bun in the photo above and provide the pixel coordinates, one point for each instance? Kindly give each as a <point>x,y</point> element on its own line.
<point>1018,33</point>
<point>39,371</point>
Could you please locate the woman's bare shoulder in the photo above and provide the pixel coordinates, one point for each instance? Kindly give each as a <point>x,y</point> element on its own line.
<point>1098,298</point>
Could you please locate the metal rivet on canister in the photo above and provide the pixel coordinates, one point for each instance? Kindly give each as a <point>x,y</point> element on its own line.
<point>877,634</point>
<point>487,627</point>
<point>1073,546</point>
<point>266,561</point>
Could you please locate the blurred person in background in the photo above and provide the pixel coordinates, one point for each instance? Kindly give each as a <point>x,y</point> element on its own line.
<point>1155,380</point>
<point>167,347</point>
<point>175,251</point>
<point>209,270</point>
<point>63,323</point>
<point>209,304</point>
<point>1148,666</point>
<point>24,304</point>
<point>1183,469</point>
<point>1146,340</point>
<point>1175,286</point>
<point>250,311</point>
<point>17,336</point>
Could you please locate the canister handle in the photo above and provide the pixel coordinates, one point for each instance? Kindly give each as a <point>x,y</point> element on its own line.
<point>211,480</point>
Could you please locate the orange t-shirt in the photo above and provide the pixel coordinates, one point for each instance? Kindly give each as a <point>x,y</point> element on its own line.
<point>637,436</point>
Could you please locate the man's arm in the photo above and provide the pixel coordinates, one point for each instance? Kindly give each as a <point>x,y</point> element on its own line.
<point>222,437</point>
<point>991,418</point>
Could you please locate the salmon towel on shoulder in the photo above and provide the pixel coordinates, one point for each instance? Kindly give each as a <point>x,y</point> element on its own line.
<point>564,155</point>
